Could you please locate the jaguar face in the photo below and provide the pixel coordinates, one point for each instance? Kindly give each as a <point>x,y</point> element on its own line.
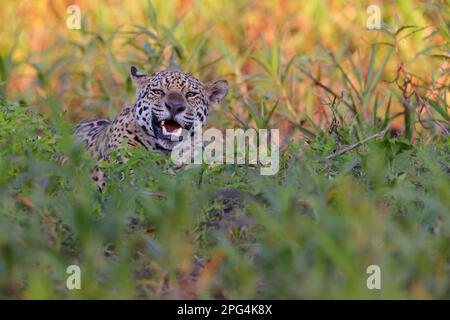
<point>169,103</point>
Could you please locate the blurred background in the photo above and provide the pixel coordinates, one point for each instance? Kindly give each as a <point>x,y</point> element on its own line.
<point>309,68</point>
<point>266,49</point>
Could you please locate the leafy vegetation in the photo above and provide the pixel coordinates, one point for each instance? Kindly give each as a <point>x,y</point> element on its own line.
<point>364,167</point>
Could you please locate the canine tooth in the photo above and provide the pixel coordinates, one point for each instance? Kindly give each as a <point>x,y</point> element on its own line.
<point>162,122</point>
<point>177,132</point>
<point>164,130</point>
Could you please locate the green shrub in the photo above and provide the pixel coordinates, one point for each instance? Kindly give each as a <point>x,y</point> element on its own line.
<point>312,232</point>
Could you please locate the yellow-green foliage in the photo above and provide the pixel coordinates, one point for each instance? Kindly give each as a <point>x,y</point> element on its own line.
<point>309,68</point>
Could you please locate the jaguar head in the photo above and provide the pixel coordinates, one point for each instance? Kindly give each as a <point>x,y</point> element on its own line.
<point>169,103</point>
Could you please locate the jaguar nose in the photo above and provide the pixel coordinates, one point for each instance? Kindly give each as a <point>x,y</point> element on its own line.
<point>175,107</point>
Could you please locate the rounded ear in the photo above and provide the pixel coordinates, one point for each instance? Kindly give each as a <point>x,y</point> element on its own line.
<point>217,91</point>
<point>136,76</point>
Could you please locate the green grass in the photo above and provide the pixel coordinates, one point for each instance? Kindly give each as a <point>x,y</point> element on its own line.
<point>307,68</point>
<point>311,232</point>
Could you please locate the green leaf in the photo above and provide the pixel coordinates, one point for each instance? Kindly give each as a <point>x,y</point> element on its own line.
<point>438,108</point>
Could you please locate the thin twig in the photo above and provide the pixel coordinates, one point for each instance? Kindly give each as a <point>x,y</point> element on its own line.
<point>153,194</point>
<point>358,144</point>
<point>346,77</point>
<point>326,88</point>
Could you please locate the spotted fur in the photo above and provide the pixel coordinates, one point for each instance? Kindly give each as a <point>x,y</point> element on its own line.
<point>164,96</point>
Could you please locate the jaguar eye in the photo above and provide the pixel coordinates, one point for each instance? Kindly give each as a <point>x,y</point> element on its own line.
<point>191,94</point>
<point>158,92</point>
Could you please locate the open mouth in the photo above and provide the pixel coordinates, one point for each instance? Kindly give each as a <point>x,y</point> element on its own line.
<point>168,130</point>
<point>170,127</point>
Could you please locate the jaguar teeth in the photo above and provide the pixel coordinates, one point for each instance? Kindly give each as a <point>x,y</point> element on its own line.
<point>174,133</point>
<point>177,132</point>
<point>162,123</point>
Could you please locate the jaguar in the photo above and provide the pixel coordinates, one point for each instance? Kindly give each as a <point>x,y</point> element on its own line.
<point>167,105</point>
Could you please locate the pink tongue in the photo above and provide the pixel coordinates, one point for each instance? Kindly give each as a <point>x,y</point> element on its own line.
<point>171,127</point>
